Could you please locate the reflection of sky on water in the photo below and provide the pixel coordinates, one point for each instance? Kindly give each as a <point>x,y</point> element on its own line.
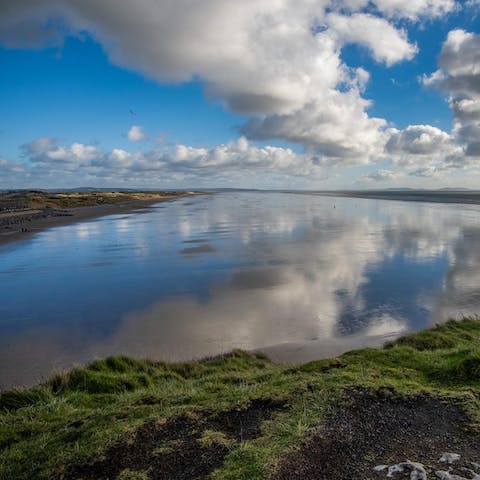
<point>303,275</point>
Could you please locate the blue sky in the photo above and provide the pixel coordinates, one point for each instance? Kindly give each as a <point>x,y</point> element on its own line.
<point>73,92</point>
<point>262,106</point>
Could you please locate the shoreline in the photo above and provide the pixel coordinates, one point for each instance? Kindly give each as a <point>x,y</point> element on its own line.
<point>241,416</point>
<point>462,198</point>
<point>27,225</point>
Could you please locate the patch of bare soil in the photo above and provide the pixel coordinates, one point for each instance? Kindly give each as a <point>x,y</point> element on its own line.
<point>376,428</point>
<point>244,424</point>
<point>175,450</point>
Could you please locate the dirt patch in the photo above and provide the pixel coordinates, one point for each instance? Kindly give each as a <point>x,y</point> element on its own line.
<point>382,428</point>
<point>244,424</point>
<point>175,450</point>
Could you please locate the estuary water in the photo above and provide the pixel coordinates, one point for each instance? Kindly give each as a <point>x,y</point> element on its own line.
<point>298,276</point>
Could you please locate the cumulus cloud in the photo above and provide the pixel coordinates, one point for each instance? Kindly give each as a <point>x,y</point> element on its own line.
<point>426,151</point>
<point>419,140</point>
<point>279,62</point>
<point>47,150</point>
<point>459,60</point>
<point>410,9</point>
<point>387,43</point>
<point>45,158</point>
<point>427,172</point>
<point>413,9</point>
<point>9,167</point>
<point>135,134</point>
<point>381,175</point>
<point>336,129</point>
<point>459,76</point>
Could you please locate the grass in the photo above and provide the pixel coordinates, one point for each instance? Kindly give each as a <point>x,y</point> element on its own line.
<point>28,200</point>
<point>76,415</point>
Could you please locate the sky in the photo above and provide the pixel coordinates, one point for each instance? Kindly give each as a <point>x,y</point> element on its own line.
<point>301,94</point>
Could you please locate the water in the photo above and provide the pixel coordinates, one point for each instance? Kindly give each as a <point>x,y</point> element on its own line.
<point>300,276</point>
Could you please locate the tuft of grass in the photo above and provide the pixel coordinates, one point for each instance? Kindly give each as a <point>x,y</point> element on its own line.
<point>128,474</point>
<point>74,417</point>
<point>458,366</point>
<point>212,438</point>
<point>15,399</point>
<point>427,340</point>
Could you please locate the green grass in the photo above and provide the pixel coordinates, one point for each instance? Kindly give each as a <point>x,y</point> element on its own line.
<point>24,199</point>
<point>76,415</point>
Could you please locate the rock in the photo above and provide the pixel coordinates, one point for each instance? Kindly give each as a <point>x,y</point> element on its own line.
<point>398,468</point>
<point>471,470</point>
<point>442,475</point>
<point>450,457</point>
<point>418,471</point>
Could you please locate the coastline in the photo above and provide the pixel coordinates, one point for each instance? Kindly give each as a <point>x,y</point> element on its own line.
<point>241,416</point>
<point>26,226</point>
<point>464,198</point>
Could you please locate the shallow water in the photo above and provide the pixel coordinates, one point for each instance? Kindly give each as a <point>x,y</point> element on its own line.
<point>300,276</point>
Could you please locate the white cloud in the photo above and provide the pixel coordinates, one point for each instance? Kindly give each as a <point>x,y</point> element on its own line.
<point>45,158</point>
<point>9,167</point>
<point>419,140</point>
<point>381,175</point>
<point>409,9</point>
<point>335,129</point>
<point>427,172</point>
<point>47,150</point>
<point>426,151</point>
<point>387,43</point>
<point>135,134</point>
<point>413,9</point>
<point>277,61</point>
<point>459,71</point>
<point>459,76</point>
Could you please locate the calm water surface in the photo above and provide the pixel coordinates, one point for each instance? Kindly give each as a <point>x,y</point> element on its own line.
<point>300,276</point>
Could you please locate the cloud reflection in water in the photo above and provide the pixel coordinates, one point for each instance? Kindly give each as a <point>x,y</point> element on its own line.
<point>285,273</point>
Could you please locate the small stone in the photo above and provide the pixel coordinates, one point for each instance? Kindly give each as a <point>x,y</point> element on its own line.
<point>449,457</point>
<point>442,475</point>
<point>380,468</point>
<point>394,469</point>
<point>418,471</point>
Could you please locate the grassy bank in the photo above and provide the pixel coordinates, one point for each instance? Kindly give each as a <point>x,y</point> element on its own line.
<point>26,212</point>
<point>243,417</point>
<point>17,202</point>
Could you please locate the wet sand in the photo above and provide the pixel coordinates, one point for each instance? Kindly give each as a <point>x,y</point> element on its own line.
<point>434,196</point>
<point>22,226</point>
